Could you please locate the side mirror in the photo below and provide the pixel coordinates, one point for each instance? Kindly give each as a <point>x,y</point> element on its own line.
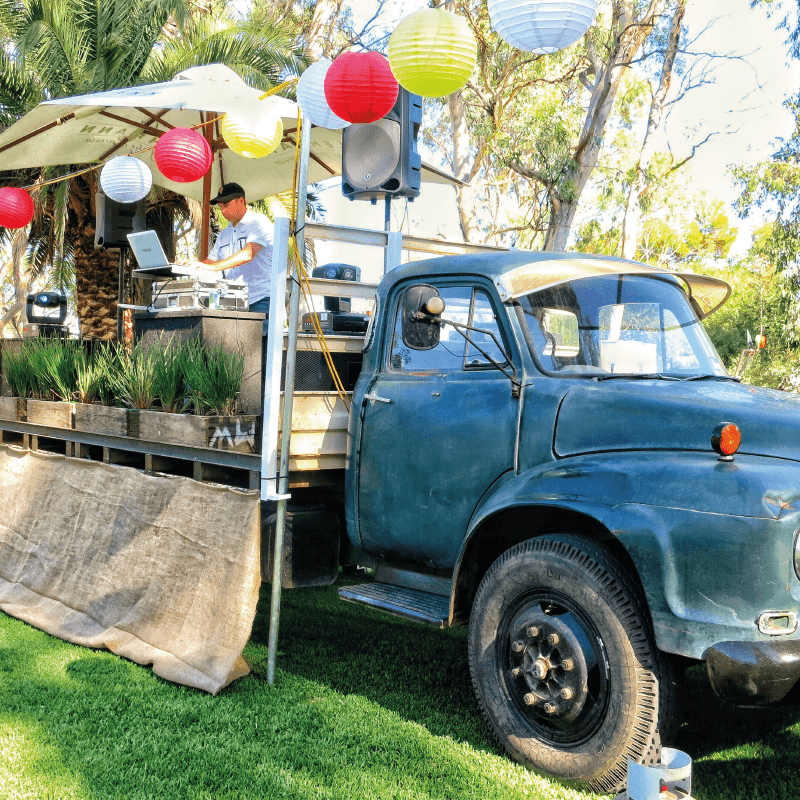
<point>420,309</point>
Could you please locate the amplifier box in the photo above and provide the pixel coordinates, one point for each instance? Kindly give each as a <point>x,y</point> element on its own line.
<point>196,293</point>
<point>337,322</point>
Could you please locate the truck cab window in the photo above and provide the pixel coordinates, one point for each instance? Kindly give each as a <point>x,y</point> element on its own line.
<point>630,325</point>
<point>465,305</point>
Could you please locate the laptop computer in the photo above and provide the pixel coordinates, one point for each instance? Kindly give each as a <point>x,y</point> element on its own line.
<point>153,262</point>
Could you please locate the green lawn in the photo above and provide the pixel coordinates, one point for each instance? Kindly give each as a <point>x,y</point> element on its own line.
<point>365,706</point>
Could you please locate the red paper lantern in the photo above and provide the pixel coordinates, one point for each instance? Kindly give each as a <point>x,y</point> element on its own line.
<point>360,87</point>
<point>16,207</point>
<point>183,155</point>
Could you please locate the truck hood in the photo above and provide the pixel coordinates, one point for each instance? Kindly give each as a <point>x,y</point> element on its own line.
<point>621,414</point>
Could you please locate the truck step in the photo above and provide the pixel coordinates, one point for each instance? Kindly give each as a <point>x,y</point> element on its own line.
<point>411,604</point>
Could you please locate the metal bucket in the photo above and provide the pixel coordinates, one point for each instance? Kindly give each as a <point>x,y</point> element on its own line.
<point>669,780</point>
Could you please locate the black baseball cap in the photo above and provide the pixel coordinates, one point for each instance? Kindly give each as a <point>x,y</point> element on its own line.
<point>228,192</point>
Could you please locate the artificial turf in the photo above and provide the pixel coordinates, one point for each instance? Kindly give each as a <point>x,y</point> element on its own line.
<point>364,706</point>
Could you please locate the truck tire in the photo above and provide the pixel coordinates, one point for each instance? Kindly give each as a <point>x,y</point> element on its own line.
<point>564,662</point>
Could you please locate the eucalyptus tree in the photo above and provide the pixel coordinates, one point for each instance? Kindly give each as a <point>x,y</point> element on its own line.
<point>527,130</point>
<point>59,48</point>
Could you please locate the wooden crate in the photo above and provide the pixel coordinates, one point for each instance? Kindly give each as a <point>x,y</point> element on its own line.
<point>319,431</point>
<point>49,412</point>
<point>105,419</point>
<point>13,408</point>
<point>239,433</point>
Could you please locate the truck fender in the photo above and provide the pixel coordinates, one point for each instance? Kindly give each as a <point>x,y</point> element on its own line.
<point>520,507</point>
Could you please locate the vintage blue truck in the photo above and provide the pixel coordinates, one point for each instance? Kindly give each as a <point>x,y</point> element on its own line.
<point>544,446</point>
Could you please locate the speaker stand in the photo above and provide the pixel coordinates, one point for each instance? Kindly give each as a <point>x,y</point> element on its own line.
<point>387,227</point>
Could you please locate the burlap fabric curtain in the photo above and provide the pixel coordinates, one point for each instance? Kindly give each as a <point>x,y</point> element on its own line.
<point>163,571</point>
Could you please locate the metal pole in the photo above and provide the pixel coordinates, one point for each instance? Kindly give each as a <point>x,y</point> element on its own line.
<point>120,298</point>
<point>387,226</point>
<point>288,398</point>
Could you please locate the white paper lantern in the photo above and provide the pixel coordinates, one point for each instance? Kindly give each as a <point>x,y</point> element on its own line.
<point>311,97</point>
<point>125,179</point>
<point>541,26</point>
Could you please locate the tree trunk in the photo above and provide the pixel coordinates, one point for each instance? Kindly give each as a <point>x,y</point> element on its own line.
<point>633,211</point>
<point>96,273</point>
<point>22,283</point>
<point>464,169</point>
<point>325,12</point>
<point>629,37</point>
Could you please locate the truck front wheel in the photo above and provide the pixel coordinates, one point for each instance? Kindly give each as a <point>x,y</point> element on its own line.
<point>564,664</point>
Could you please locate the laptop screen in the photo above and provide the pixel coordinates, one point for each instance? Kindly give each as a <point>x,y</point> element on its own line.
<point>148,250</point>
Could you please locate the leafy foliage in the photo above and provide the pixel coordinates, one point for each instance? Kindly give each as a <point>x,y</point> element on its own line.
<point>761,301</point>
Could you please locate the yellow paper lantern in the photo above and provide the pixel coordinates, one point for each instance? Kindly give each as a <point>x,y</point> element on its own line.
<point>252,134</point>
<point>432,52</point>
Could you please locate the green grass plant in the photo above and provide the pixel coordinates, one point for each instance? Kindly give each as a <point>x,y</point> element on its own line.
<point>19,372</point>
<point>365,707</point>
<point>134,376</point>
<point>90,372</point>
<point>169,364</point>
<point>214,378</point>
<point>53,365</point>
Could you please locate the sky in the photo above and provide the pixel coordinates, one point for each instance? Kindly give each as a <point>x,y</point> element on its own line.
<point>744,103</point>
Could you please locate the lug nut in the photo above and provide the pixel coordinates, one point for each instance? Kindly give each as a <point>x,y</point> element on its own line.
<point>553,639</point>
<point>515,673</point>
<point>533,632</point>
<point>567,664</point>
<point>550,708</point>
<point>566,693</point>
<point>529,699</point>
<point>517,647</point>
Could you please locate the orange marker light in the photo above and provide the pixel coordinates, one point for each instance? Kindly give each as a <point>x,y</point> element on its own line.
<point>726,438</point>
<point>761,341</point>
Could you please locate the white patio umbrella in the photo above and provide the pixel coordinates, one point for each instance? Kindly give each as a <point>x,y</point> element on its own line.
<point>95,127</point>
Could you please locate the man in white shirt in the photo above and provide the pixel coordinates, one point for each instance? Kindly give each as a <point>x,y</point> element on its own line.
<point>244,246</point>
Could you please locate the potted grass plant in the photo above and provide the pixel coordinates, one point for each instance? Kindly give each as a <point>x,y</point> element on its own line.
<point>206,381</point>
<point>97,378</point>
<point>20,379</point>
<point>52,364</point>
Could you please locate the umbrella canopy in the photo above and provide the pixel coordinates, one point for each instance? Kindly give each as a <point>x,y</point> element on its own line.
<point>95,127</point>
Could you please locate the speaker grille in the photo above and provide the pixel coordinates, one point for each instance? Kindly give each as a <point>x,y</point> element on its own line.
<point>372,154</point>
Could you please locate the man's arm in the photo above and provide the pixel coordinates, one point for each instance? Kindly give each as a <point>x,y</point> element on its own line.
<point>243,256</point>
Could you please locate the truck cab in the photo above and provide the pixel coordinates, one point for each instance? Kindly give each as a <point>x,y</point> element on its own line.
<point>544,446</point>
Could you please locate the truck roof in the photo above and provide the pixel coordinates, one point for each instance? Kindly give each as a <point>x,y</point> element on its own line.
<point>519,272</point>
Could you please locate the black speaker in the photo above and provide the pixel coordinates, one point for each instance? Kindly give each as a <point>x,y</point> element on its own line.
<point>337,272</point>
<point>115,221</point>
<point>381,158</point>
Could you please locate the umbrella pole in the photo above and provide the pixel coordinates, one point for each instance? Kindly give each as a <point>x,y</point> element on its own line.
<point>205,225</point>
<point>288,399</point>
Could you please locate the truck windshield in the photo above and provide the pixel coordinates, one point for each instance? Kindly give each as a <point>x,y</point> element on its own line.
<point>619,325</point>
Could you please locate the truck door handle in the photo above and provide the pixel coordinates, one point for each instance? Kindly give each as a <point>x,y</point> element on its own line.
<point>374,397</point>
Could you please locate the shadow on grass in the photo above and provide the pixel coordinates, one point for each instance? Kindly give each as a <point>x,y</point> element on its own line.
<point>365,706</point>
<point>88,724</point>
<point>416,671</point>
<point>739,753</point>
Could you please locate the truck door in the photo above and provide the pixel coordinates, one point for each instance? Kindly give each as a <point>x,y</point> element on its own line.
<point>438,428</point>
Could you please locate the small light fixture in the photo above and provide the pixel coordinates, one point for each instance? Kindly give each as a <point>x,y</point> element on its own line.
<point>725,440</point>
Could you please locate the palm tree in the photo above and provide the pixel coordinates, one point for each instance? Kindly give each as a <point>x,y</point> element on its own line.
<point>59,48</point>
